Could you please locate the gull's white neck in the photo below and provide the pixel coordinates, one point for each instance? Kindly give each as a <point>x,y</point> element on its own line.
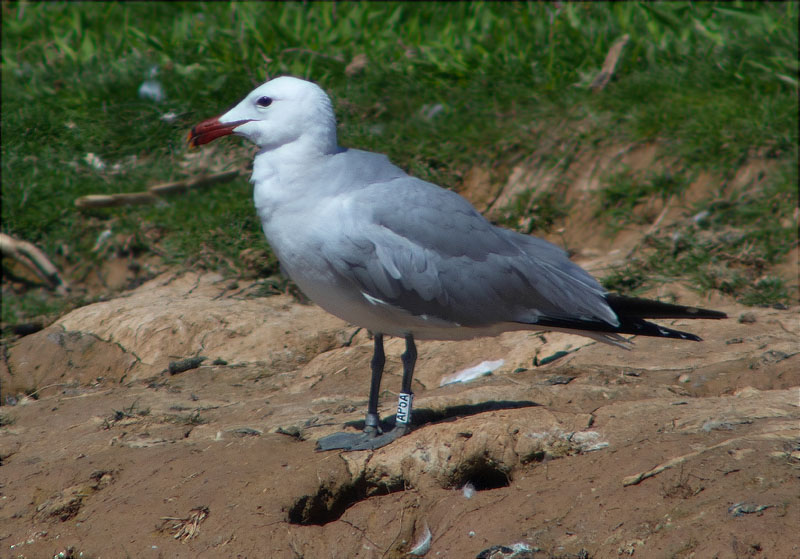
<point>277,173</point>
<point>286,161</point>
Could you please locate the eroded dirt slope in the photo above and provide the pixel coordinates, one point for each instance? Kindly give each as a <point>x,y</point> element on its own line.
<point>116,451</point>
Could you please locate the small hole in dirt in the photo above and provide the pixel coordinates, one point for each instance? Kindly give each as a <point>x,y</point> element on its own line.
<point>330,503</point>
<point>483,473</point>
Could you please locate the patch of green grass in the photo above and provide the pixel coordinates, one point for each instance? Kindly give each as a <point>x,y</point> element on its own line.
<point>626,190</point>
<point>766,291</point>
<point>726,244</point>
<point>530,212</point>
<point>628,279</point>
<point>712,96</point>
<point>19,307</point>
<point>711,81</point>
<point>194,418</point>
<point>131,412</point>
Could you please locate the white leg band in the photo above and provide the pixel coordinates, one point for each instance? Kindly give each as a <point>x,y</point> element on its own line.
<point>404,408</point>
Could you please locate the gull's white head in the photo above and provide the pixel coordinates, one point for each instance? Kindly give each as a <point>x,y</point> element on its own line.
<point>283,111</point>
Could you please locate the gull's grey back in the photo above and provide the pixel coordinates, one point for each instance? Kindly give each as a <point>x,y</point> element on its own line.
<point>427,250</point>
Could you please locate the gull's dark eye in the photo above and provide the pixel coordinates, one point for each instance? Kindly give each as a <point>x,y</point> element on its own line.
<point>264,101</point>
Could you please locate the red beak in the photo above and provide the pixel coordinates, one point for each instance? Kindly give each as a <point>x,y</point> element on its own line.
<point>211,129</point>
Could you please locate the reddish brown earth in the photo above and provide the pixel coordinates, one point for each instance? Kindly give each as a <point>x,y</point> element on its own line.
<point>674,449</point>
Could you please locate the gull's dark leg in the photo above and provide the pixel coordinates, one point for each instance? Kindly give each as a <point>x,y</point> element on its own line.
<point>409,362</point>
<point>373,437</point>
<point>372,423</point>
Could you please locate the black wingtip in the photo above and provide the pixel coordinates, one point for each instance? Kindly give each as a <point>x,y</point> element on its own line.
<point>632,312</point>
<point>627,325</point>
<point>682,335</point>
<point>641,327</point>
<point>635,307</point>
<point>696,312</point>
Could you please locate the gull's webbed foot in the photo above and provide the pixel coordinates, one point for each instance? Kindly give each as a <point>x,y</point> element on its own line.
<point>370,439</point>
<point>373,436</point>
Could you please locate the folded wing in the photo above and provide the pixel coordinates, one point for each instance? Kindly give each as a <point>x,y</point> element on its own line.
<point>428,251</point>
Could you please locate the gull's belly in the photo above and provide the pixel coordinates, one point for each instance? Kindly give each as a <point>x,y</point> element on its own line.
<point>301,258</point>
<point>351,305</point>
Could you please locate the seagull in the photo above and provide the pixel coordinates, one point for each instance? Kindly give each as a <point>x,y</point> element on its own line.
<point>403,257</point>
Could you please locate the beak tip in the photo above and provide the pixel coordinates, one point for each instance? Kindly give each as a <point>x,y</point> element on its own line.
<point>209,130</point>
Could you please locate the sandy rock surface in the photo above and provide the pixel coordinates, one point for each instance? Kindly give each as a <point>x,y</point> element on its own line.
<point>570,447</point>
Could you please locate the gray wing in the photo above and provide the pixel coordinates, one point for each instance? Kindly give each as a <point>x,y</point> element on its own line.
<point>427,250</point>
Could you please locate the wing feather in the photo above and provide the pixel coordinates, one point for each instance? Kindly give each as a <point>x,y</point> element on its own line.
<point>431,253</point>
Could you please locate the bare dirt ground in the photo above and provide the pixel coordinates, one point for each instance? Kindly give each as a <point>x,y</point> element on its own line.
<point>569,449</point>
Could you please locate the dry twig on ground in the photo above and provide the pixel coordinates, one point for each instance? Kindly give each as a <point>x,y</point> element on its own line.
<point>152,194</point>
<point>610,63</point>
<point>34,259</point>
<point>185,528</point>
